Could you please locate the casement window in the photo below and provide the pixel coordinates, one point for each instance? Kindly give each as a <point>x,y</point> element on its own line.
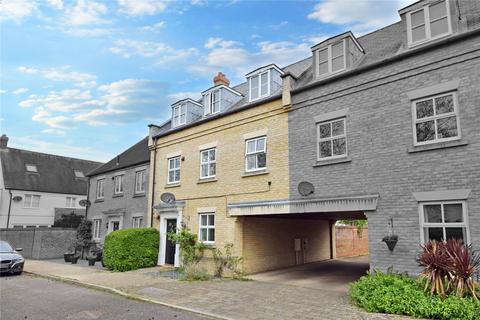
<point>137,222</point>
<point>118,184</point>
<point>331,139</point>
<point>78,174</point>
<point>429,22</point>
<point>331,59</point>
<point>256,154</point>
<point>32,201</point>
<point>100,194</point>
<point>445,220</point>
<point>259,86</point>
<point>174,170</point>
<point>97,225</point>
<point>179,115</point>
<point>435,119</point>
<point>212,102</point>
<point>70,202</point>
<point>140,181</point>
<point>207,228</point>
<point>31,168</point>
<point>208,163</point>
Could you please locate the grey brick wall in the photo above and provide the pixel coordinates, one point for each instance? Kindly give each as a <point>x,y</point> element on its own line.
<point>379,135</point>
<point>128,205</point>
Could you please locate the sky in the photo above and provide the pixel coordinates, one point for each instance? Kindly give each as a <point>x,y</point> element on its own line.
<point>85,78</point>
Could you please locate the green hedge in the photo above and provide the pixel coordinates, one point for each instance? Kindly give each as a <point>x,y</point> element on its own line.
<point>400,294</point>
<point>131,249</point>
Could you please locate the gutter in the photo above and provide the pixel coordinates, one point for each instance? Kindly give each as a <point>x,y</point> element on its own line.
<point>380,63</point>
<point>9,207</point>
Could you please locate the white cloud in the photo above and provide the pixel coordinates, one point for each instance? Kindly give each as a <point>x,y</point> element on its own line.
<point>141,7</point>
<point>56,4</point>
<point>20,91</point>
<point>358,15</point>
<point>219,42</point>
<point>27,70</point>
<point>176,55</point>
<point>86,13</point>
<point>55,132</point>
<point>174,97</point>
<point>3,91</point>
<point>62,101</point>
<point>154,27</point>
<point>279,25</point>
<point>16,10</point>
<point>63,74</point>
<point>198,2</point>
<point>86,32</point>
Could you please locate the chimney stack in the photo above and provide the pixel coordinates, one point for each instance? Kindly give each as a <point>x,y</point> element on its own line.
<point>220,78</point>
<point>3,141</point>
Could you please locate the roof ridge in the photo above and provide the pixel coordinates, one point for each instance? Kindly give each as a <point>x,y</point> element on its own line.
<point>54,155</point>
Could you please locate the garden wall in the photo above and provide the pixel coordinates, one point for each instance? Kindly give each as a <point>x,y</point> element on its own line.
<point>349,243</point>
<point>40,243</point>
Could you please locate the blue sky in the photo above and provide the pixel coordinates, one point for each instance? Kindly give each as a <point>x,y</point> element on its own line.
<point>85,78</point>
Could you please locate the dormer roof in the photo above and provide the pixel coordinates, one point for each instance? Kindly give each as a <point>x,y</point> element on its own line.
<point>187,100</point>
<point>222,86</point>
<point>264,68</point>
<point>336,38</point>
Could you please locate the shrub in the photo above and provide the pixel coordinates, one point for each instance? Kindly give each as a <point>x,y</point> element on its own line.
<point>131,249</point>
<point>400,294</point>
<point>228,261</point>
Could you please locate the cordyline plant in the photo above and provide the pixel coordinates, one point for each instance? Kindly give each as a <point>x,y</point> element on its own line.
<point>449,267</point>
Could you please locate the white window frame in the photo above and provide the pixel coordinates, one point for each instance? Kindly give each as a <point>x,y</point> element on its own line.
<point>97,227</point>
<point>70,202</point>
<point>208,105</point>
<point>207,163</point>
<point>255,153</point>
<point>176,118</point>
<point>331,138</point>
<point>426,16</point>
<point>31,167</point>
<point>435,118</point>
<point>30,203</point>
<point>207,227</point>
<point>174,169</point>
<point>100,194</point>
<point>423,224</point>
<point>140,188</point>
<point>259,75</point>
<point>330,59</point>
<point>118,189</point>
<point>137,222</point>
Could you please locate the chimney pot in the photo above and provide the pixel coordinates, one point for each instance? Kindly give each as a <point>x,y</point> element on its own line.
<point>3,141</point>
<point>220,78</point>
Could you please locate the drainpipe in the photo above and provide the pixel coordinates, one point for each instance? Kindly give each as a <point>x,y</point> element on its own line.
<point>88,196</point>
<point>153,177</point>
<point>9,207</point>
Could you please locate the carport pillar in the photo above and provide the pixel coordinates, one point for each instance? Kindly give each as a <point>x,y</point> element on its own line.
<point>238,236</point>
<point>333,240</point>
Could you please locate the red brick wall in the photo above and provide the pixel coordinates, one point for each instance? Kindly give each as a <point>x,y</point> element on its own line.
<point>349,243</point>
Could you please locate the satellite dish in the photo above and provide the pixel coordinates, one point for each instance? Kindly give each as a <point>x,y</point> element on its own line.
<point>84,203</point>
<point>17,198</point>
<point>167,198</point>
<point>305,188</point>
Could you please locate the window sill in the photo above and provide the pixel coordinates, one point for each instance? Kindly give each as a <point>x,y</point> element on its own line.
<point>99,200</point>
<point>206,180</point>
<point>436,146</point>
<point>255,173</point>
<point>118,195</point>
<point>137,195</point>
<point>332,161</point>
<point>172,185</point>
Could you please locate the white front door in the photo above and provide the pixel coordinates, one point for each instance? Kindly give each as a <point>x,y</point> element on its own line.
<point>114,224</point>
<point>165,218</point>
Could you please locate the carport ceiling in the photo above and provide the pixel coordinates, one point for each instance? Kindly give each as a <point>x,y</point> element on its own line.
<point>354,215</point>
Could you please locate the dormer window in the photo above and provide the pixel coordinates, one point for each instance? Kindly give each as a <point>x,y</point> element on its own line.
<point>79,174</point>
<point>259,86</point>
<point>31,168</point>
<point>331,59</point>
<point>213,102</point>
<point>428,23</point>
<point>263,82</point>
<point>179,115</point>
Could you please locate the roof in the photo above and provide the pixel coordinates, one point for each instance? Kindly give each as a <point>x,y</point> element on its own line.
<point>135,155</point>
<point>55,173</point>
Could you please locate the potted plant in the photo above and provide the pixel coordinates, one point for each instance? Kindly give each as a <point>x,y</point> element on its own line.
<point>69,254</point>
<point>74,259</point>
<point>91,260</point>
<point>391,241</point>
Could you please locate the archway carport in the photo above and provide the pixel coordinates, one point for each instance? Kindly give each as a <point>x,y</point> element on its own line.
<point>286,233</point>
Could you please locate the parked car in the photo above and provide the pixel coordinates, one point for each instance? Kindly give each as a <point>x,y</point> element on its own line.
<point>10,260</point>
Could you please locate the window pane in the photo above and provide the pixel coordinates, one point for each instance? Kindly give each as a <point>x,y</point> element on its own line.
<point>203,235</point>
<point>453,212</point>
<point>177,175</point>
<point>433,213</point>
<point>261,144</point>
<point>262,160</point>
<point>211,155</point>
<point>204,156</point>
<point>439,27</point>
<point>339,147</point>
<point>455,233</point>
<point>251,146</point>
<point>323,55</point>
<point>171,176</point>
<point>418,18</point>
<point>211,235</point>
<point>434,234</point>
<point>424,109</point>
<point>325,130</point>
<point>338,128</point>
<point>447,127</point>
<point>264,84</point>
<point>337,49</point>
<point>325,149</point>
<point>251,159</point>
<point>337,64</point>
<point>211,220</point>
<point>444,104</point>
<point>254,87</point>
<point>204,170</point>
<point>323,68</point>
<point>418,34</point>
<point>425,131</point>
<point>213,168</point>
<point>438,10</point>
<point>204,220</point>
<point>177,162</point>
